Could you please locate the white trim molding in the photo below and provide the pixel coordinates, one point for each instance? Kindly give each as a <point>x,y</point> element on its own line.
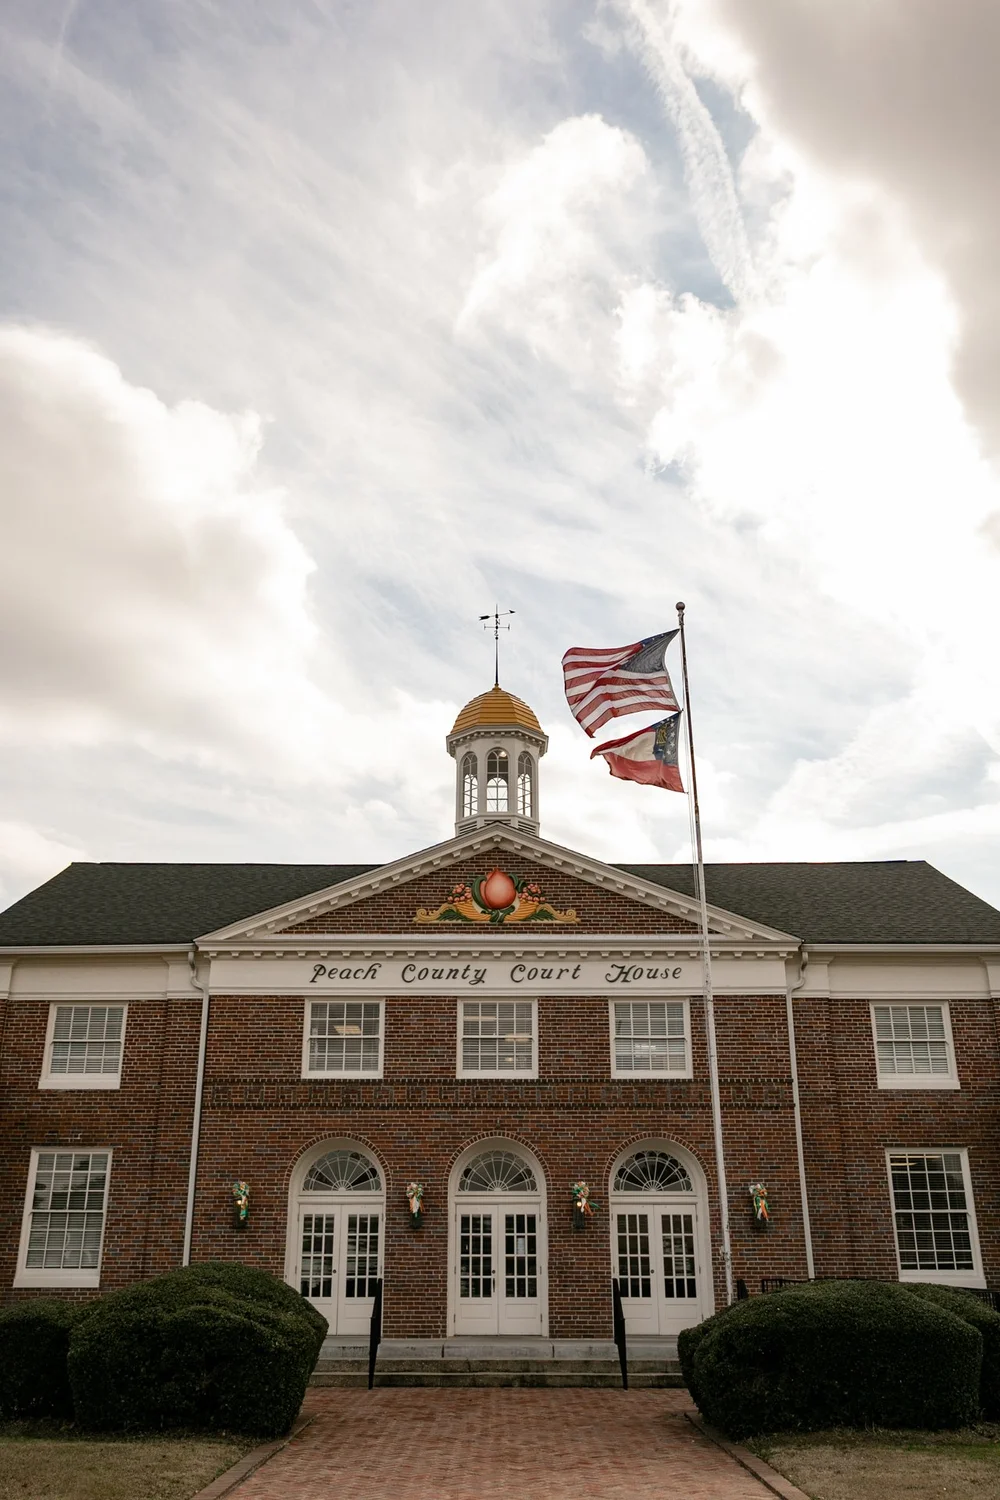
<point>672,1002</point>
<point>516,1074</point>
<point>344,1074</point>
<point>915,1080</point>
<point>59,1277</point>
<point>964,1276</point>
<point>50,1080</point>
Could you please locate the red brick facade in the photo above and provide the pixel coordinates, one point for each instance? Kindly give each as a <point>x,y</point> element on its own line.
<point>260,1115</point>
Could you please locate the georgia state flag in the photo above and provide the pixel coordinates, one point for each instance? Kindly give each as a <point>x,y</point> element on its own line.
<point>649,755</point>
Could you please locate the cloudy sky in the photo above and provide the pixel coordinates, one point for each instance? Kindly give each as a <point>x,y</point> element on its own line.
<point>325,325</point>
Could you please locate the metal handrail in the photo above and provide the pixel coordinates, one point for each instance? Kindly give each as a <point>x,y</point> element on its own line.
<point>619,1328</point>
<point>375,1333</point>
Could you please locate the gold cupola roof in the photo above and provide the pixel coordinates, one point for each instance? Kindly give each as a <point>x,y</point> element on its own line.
<point>495,710</point>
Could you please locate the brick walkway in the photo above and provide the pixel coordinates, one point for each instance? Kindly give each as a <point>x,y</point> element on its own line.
<point>469,1444</point>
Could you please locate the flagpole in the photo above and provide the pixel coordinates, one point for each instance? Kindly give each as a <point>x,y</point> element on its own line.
<point>706,955</point>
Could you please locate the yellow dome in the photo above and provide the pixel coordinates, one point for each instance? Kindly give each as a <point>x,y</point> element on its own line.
<point>494,710</point>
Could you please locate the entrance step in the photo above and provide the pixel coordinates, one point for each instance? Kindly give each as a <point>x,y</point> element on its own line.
<point>498,1362</point>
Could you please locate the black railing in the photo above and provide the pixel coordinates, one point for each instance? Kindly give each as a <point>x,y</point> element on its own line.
<point>619,1327</point>
<point>775,1284</point>
<point>375,1333</point>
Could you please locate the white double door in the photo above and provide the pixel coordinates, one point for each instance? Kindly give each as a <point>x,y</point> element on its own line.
<point>339,1261</point>
<point>499,1267</point>
<point>656,1254</point>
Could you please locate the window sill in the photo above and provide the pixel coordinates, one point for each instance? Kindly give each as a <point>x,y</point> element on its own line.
<point>107,1081</point>
<point>944,1278</point>
<point>56,1279</point>
<point>520,1076</point>
<point>659,1077</point>
<point>335,1076</point>
<point>903,1082</point>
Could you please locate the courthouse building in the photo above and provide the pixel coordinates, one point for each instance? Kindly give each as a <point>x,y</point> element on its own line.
<point>497,1018</point>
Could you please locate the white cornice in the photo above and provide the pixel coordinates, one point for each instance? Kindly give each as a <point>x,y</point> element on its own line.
<point>486,943</point>
<point>484,840</point>
<point>103,950</point>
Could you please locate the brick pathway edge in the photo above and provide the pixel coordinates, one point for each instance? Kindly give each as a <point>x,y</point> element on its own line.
<point>248,1464</point>
<point>775,1482</point>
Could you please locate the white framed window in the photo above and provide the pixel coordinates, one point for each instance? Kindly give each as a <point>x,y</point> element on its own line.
<point>913,1047</point>
<point>470,786</point>
<point>343,1038</point>
<point>650,1039</point>
<point>934,1218</point>
<point>497,781</point>
<point>83,1047</point>
<point>64,1212</point>
<point>525,799</point>
<point>497,1039</point>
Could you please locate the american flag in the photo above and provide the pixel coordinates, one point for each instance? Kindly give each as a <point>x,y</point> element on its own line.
<point>601,684</point>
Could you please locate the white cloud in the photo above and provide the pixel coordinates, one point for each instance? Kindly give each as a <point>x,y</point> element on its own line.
<point>152,584</point>
<point>28,857</point>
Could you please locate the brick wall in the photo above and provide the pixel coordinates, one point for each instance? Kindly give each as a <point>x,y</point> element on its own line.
<point>147,1123</point>
<point>260,1116</point>
<point>598,909</point>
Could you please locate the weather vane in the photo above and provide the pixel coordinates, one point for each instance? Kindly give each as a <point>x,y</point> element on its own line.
<point>492,622</point>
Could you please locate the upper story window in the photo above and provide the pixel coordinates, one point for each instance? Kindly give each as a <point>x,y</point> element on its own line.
<point>497,781</point>
<point>497,1037</point>
<point>83,1047</point>
<point>63,1225</point>
<point>470,786</point>
<point>933,1217</point>
<point>343,1036</point>
<point>913,1047</point>
<point>525,797</point>
<point>650,1038</point>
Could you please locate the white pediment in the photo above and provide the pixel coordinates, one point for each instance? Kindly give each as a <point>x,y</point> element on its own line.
<point>269,928</point>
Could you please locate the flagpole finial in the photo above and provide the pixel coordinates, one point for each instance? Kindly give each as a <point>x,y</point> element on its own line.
<point>679,606</point>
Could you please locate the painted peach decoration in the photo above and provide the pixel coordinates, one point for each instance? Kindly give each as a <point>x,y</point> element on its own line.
<point>496,898</point>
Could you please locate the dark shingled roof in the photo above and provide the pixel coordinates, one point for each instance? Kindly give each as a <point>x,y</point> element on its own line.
<point>889,901</point>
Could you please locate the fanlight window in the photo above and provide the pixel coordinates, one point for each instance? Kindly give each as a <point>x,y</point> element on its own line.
<point>343,1172</point>
<point>497,781</point>
<point>524,797</point>
<point>652,1172</point>
<point>470,786</point>
<point>497,1172</point>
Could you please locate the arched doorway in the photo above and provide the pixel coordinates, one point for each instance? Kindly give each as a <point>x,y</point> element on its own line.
<point>660,1250</point>
<point>336,1218</point>
<point>499,1251</point>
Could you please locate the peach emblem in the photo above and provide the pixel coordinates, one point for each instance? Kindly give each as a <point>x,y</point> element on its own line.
<point>497,891</point>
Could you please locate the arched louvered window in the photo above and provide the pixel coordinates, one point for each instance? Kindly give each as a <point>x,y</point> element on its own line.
<point>470,786</point>
<point>525,797</point>
<point>652,1172</point>
<point>497,781</point>
<point>497,1172</point>
<point>343,1172</point>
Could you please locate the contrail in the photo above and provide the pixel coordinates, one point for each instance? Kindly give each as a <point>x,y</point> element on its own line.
<point>60,41</point>
<point>706,165</point>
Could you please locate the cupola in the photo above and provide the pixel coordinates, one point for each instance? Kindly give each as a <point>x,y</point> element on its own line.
<point>497,743</point>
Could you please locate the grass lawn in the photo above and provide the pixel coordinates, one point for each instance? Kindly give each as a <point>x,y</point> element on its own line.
<point>44,1462</point>
<point>883,1465</point>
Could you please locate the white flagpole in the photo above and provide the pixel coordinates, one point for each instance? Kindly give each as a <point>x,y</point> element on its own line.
<point>713,1056</point>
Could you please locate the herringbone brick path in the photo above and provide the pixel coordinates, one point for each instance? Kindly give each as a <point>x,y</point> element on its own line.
<point>468,1444</point>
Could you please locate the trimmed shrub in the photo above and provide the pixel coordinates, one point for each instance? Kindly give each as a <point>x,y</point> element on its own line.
<point>837,1354</point>
<point>34,1340</point>
<point>205,1347</point>
<point>972,1309</point>
<point>258,1286</point>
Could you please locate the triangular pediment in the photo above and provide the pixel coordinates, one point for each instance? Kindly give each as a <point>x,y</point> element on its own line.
<point>445,890</point>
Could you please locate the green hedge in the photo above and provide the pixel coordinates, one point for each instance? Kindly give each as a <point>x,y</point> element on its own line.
<point>972,1309</point>
<point>34,1339</point>
<point>835,1354</point>
<point>211,1346</point>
